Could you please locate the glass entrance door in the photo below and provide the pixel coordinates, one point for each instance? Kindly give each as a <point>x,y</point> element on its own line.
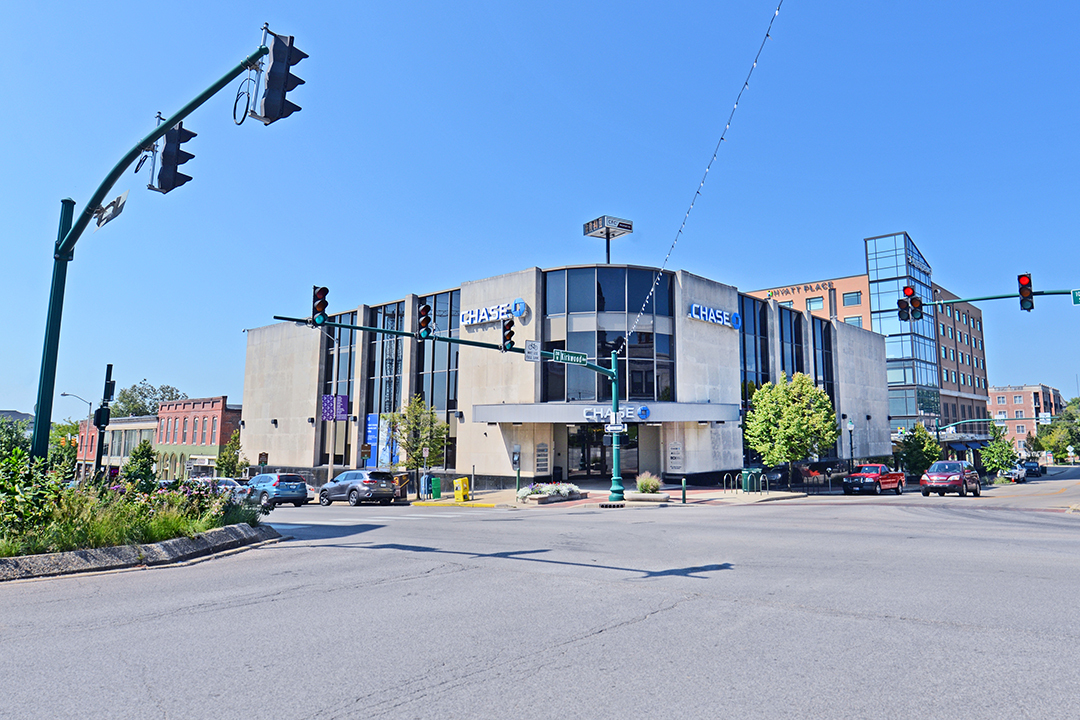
<point>589,457</point>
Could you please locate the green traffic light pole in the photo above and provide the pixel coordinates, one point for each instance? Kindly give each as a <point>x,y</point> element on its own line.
<point>617,490</point>
<point>996,297</point>
<point>65,248</point>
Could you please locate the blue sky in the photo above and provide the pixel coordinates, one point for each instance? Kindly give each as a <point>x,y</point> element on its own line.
<point>444,142</point>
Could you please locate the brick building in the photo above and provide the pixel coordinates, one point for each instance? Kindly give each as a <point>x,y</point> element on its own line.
<point>190,434</point>
<point>1020,409</point>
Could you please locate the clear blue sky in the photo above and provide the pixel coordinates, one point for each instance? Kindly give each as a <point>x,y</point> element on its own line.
<point>444,142</point>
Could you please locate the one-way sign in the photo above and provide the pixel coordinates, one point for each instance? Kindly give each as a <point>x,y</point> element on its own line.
<point>615,428</point>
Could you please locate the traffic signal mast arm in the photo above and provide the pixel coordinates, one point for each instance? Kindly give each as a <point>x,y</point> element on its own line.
<point>67,244</point>
<point>606,372</point>
<point>995,297</point>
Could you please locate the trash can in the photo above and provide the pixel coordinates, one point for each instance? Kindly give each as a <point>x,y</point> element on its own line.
<point>436,488</point>
<point>556,474</point>
<point>461,489</point>
<point>751,480</point>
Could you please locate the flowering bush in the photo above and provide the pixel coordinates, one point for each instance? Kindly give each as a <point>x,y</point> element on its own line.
<point>564,489</point>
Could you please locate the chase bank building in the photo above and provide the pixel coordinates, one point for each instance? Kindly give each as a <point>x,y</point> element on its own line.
<point>691,353</point>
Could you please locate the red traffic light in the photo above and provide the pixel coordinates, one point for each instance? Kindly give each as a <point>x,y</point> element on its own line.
<point>909,291</point>
<point>1024,279</point>
<point>1026,292</point>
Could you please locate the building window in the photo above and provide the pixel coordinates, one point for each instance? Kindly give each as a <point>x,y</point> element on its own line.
<point>1021,429</point>
<point>948,310</point>
<point>787,303</point>
<point>214,435</point>
<point>1018,399</point>
<point>1018,414</point>
<point>979,325</point>
<point>195,432</point>
<point>184,436</point>
<point>815,303</point>
<point>952,354</point>
<point>953,375</point>
<point>942,329</point>
<point>204,430</point>
<point>853,298</point>
<point>950,333</point>
<point>944,375</point>
<point>944,353</point>
<point>855,320</point>
<point>791,342</point>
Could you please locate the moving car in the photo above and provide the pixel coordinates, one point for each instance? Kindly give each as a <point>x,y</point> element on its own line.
<point>956,476</point>
<point>358,486</point>
<point>1033,468</point>
<point>874,479</point>
<point>278,488</point>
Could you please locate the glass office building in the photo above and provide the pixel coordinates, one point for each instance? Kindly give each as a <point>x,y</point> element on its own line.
<point>892,262</point>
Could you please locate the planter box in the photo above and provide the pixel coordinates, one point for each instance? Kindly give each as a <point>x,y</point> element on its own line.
<point>545,499</point>
<point>646,497</point>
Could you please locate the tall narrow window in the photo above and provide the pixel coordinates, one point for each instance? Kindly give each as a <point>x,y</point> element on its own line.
<point>213,434</point>
<point>204,430</point>
<point>184,436</point>
<point>195,432</point>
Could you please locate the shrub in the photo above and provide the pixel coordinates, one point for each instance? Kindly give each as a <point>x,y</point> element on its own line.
<point>648,483</point>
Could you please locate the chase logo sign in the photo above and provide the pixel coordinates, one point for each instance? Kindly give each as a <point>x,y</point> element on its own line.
<point>493,313</point>
<point>715,316</point>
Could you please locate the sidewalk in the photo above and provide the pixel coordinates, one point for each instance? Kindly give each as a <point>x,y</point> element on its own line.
<point>598,494</point>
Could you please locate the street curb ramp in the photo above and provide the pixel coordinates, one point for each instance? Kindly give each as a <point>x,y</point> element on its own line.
<point>127,556</point>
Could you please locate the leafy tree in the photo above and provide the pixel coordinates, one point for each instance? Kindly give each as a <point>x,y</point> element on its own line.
<point>142,398</point>
<point>139,469</point>
<point>1033,446</point>
<point>416,428</point>
<point>230,461</point>
<point>918,450</point>
<point>790,421</point>
<point>64,448</point>
<point>1063,431</point>
<point>14,435</point>
<point>999,454</point>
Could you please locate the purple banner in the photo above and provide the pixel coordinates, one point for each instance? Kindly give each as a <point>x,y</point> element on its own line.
<point>335,407</point>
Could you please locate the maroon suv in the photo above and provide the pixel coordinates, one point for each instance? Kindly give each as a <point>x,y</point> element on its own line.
<point>956,476</point>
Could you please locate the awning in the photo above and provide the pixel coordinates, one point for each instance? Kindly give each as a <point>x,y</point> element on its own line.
<point>959,447</point>
<point>977,444</point>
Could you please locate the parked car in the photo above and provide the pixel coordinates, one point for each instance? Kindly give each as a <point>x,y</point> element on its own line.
<point>312,492</point>
<point>1016,473</point>
<point>238,492</point>
<point>358,486</point>
<point>873,479</point>
<point>278,488</point>
<point>1033,468</point>
<point>957,476</point>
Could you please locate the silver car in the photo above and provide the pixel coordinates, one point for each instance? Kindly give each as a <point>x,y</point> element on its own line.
<point>357,486</point>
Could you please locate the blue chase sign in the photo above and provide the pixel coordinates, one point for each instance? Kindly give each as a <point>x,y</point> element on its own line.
<point>715,316</point>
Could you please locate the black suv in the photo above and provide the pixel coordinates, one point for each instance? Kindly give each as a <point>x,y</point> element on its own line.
<point>1033,468</point>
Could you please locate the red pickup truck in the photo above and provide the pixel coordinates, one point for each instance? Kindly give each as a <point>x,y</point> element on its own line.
<point>874,479</point>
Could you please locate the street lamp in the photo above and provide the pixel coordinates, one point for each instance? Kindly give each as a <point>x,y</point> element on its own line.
<point>89,416</point>
<point>851,439</point>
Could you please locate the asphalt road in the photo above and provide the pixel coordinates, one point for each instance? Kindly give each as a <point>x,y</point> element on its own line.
<point>836,607</point>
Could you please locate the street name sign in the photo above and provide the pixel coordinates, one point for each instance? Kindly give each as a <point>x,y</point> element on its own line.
<point>571,358</point>
<point>1076,297</point>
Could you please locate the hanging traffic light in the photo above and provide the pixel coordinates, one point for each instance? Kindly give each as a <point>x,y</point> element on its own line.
<point>318,305</point>
<point>508,334</point>
<point>1027,293</point>
<point>424,328</point>
<point>916,307</point>
<point>172,156</point>
<point>279,79</point>
<point>905,303</point>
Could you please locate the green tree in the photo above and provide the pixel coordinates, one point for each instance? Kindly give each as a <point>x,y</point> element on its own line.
<point>918,450</point>
<point>63,448</point>
<point>1063,431</point>
<point>14,435</point>
<point>790,421</point>
<point>231,462</point>
<point>1033,446</point>
<point>142,398</point>
<point>999,454</point>
<point>415,429</point>
<point>139,469</point>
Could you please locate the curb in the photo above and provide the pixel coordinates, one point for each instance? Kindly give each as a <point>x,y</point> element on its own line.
<point>166,552</point>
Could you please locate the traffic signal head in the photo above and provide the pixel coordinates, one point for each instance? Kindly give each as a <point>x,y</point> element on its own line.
<point>508,334</point>
<point>904,304</point>
<point>169,176</point>
<point>318,305</point>
<point>916,308</point>
<point>1027,295</point>
<point>424,328</point>
<point>279,79</point>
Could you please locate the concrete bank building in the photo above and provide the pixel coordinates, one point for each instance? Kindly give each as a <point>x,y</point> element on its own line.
<point>692,352</point>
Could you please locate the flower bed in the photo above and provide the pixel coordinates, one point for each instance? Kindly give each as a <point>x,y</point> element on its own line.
<point>542,493</point>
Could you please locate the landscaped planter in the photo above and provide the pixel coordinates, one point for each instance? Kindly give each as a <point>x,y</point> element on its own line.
<point>542,499</point>
<point>646,497</point>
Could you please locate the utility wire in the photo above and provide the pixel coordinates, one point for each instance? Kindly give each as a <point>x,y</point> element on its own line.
<point>697,192</point>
